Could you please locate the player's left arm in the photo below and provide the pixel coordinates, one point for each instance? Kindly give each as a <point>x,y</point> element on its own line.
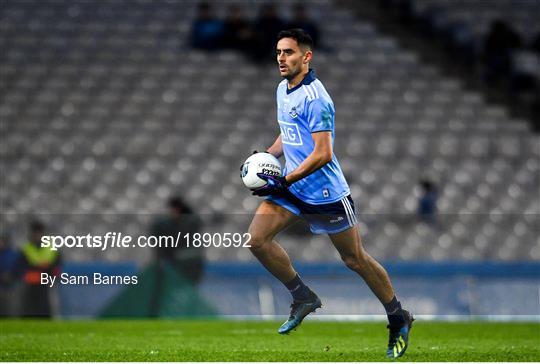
<point>277,148</point>
<point>321,155</point>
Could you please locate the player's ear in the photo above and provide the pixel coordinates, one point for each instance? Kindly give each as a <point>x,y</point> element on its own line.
<point>307,56</point>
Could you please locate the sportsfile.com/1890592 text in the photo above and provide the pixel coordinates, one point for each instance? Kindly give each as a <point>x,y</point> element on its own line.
<point>120,240</point>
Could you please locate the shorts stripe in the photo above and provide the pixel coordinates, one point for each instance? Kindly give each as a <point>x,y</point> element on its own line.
<point>346,211</point>
<point>352,212</point>
<point>349,210</point>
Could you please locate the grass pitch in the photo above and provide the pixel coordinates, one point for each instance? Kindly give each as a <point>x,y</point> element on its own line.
<point>215,340</point>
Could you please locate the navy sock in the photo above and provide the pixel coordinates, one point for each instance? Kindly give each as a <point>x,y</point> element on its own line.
<point>394,312</point>
<point>298,289</point>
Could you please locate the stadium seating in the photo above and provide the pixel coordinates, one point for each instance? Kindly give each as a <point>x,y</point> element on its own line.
<point>105,112</point>
<point>465,25</point>
<point>477,15</point>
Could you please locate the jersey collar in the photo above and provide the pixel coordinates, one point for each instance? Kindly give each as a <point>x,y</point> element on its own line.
<point>308,78</point>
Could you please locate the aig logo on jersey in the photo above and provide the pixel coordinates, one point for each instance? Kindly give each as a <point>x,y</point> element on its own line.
<point>290,134</point>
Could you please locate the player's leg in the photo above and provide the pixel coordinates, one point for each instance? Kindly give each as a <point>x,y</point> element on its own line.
<point>353,254</point>
<point>349,245</point>
<point>268,221</point>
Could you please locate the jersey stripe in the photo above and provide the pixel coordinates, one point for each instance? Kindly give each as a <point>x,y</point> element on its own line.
<point>315,92</point>
<point>308,93</point>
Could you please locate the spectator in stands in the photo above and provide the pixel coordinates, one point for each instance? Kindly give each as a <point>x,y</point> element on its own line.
<point>427,202</point>
<point>267,27</point>
<point>500,41</point>
<point>35,260</point>
<point>301,19</point>
<point>207,30</point>
<point>238,33</point>
<point>188,262</point>
<point>8,259</point>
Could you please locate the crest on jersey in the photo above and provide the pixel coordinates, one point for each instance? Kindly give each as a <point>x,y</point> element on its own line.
<point>293,112</point>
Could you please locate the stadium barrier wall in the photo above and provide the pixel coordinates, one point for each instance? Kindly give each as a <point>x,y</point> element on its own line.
<point>434,290</point>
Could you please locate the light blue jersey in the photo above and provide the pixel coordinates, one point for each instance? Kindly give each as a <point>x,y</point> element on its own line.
<point>307,108</point>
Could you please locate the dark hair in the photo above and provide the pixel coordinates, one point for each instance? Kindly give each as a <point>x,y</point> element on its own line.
<point>427,185</point>
<point>36,226</point>
<point>301,37</point>
<point>177,203</point>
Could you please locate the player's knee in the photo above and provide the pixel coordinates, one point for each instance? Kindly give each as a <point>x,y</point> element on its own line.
<point>354,262</point>
<point>351,262</point>
<point>258,240</point>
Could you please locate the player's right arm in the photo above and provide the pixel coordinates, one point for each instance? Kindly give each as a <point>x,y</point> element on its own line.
<point>277,148</point>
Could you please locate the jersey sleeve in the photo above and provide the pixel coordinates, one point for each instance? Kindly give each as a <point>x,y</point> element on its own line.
<point>320,115</point>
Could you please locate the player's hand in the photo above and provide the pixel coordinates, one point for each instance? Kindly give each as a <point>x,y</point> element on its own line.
<point>275,185</point>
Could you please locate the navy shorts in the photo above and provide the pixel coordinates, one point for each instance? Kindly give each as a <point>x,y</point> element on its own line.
<point>330,218</point>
